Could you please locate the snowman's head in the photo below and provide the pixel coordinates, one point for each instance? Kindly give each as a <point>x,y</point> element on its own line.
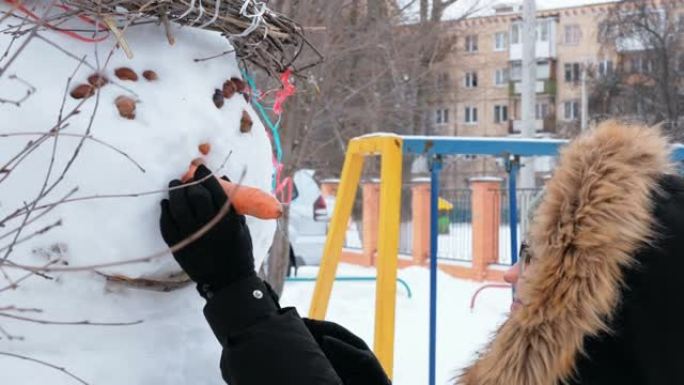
<point>175,111</point>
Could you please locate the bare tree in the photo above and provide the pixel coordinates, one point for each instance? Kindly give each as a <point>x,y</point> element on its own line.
<point>647,38</point>
<point>378,76</point>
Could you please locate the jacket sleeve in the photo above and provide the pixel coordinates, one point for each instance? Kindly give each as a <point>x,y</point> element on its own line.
<point>658,316</point>
<point>262,343</point>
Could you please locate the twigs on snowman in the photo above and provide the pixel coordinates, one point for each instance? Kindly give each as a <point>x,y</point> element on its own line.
<point>31,34</point>
<point>30,90</point>
<point>68,323</point>
<point>9,336</point>
<point>45,363</point>
<point>15,284</point>
<point>68,199</point>
<point>260,36</point>
<point>77,135</point>
<point>178,246</point>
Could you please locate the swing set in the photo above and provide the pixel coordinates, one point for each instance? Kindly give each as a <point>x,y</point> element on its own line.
<point>391,148</point>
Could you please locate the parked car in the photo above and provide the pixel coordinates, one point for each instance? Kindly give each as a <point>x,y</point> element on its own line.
<point>309,217</point>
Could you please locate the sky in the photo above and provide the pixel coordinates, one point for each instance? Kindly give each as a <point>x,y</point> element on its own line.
<point>484,7</point>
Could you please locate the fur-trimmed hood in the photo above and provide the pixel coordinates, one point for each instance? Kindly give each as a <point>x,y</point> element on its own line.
<point>596,214</point>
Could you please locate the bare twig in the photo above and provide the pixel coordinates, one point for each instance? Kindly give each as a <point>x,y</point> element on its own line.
<point>30,90</point>
<point>21,309</point>
<point>28,39</point>
<point>75,135</point>
<point>13,285</point>
<point>19,212</point>
<point>197,60</point>
<point>34,234</point>
<point>178,246</point>
<point>10,336</point>
<point>35,218</point>
<point>58,368</point>
<point>68,323</point>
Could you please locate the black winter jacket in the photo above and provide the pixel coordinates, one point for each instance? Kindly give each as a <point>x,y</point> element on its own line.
<point>263,344</point>
<point>647,338</point>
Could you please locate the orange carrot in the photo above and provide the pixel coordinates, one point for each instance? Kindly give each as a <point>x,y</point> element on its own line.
<point>245,200</point>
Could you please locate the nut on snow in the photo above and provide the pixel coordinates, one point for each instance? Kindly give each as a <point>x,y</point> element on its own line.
<point>204,148</point>
<point>82,91</point>
<point>229,89</point>
<point>239,84</point>
<point>218,98</point>
<point>150,75</point>
<point>97,80</point>
<point>126,107</point>
<point>245,123</point>
<point>125,73</point>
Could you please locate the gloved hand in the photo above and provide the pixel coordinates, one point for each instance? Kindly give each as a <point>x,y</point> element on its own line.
<point>349,355</point>
<point>221,256</point>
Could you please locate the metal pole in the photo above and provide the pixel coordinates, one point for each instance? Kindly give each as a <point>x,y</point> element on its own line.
<point>585,100</point>
<point>435,168</point>
<point>529,86</point>
<point>513,167</point>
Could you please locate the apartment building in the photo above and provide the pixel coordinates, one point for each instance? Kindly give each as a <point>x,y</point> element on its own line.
<point>480,82</point>
<point>482,76</point>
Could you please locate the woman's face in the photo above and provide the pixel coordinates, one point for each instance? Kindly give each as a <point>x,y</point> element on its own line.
<point>513,275</point>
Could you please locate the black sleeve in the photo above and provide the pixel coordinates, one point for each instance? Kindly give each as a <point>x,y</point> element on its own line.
<point>658,316</point>
<point>263,344</point>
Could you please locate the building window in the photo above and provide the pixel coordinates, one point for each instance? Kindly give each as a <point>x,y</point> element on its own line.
<point>572,110</point>
<point>500,41</point>
<point>641,65</point>
<point>605,68</point>
<point>442,81</point>
<point>471,115</point>
<point>471,43</point>
<point>501,77</point>
<point>516,32</point>
<point>680,22</point>
<point>541,111</point>
<point>470,80</point>
<point>572,72</point>
<point>573,34</point>
<point>442,116</point>
<point>500,114</point>
<point>516,71</point>
<point>543,31</point>
<point>680,63</point>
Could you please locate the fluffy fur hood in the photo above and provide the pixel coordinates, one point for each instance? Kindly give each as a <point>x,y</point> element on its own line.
<point>596,214</point>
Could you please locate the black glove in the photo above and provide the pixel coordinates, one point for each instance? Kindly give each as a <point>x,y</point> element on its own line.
<point>353,361</point>
<point>221,256</point>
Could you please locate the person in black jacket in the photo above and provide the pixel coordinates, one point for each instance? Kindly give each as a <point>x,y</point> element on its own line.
<point>262,343</point>
<point>599,289</point>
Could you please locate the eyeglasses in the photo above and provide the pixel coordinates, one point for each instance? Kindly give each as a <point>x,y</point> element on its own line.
<point>525,256</point>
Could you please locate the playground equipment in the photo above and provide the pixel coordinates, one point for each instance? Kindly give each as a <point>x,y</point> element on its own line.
<point>391,149</point>
<point>400,281</point>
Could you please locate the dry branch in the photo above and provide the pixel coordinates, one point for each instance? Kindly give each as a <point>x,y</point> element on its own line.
<point>58,368</point>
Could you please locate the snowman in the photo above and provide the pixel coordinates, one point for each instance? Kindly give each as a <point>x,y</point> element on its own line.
<point>125,128</point>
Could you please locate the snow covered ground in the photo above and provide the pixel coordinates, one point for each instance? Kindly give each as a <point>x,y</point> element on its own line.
<point>460,331</point>
<point>174,345</point>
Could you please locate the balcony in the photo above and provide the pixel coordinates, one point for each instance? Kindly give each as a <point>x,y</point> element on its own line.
<point>541,125</point>
<point>547,87</point>
<point>546,40</point>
